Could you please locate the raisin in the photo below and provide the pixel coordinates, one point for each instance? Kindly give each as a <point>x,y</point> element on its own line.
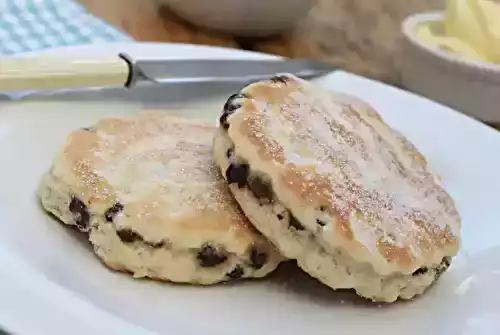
<point>280,79</point>
<point>236,273</point>
<point>260,188</point>
<point>294,223</point>
<point>81,215</point>
<point>208,256</point>
<point>112,211</point>
<point>128,236</point>
<point>237,173</point>
<point>257,258</point>
<point>223,120</point>
<point>443,266</point>
<point>229,107</point>
<point>420,271</point>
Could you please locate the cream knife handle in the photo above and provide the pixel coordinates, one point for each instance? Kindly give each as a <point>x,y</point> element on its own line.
<point>48,73</point>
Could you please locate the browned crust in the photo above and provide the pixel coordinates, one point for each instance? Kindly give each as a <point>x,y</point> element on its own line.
<point>88,158</point>
<point>279,118</point>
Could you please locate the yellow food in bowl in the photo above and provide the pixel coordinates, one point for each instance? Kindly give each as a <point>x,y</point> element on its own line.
<point>452,44</point>
<point>471,28</point>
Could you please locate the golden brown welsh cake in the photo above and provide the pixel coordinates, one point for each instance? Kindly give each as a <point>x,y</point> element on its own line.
<point>325,179</point>
<point>153,202</point>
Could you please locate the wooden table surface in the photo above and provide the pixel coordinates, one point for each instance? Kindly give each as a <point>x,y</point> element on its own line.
<point>357,35</point>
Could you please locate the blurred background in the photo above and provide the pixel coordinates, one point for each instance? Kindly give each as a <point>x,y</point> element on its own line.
<point>358,35</point>
<point>446,50</point>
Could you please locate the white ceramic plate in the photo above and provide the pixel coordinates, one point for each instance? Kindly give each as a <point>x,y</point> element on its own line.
<point>51,284</point>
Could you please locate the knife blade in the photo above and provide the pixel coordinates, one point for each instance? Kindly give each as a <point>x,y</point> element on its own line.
<point>28,74</point>
<point>162,71</point>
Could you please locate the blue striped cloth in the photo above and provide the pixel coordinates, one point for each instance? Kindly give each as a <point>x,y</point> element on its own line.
<point>32,25</point>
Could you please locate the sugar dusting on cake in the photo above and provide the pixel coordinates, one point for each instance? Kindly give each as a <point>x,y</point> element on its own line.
<point>340,154</point>
<point>143,161</point>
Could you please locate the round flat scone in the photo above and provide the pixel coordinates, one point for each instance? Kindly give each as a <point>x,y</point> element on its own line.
<point>153,202</point>
<point>328,182</point>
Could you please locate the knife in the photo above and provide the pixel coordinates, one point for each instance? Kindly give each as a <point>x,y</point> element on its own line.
<point>50,73</point>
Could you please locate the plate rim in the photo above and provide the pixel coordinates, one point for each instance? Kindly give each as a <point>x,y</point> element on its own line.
<point>84,50</point>
<point>159,46</point>
<point>94,47</point>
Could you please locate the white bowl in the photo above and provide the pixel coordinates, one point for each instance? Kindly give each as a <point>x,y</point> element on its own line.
<point>472,87</point>
<point>242,17</point>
